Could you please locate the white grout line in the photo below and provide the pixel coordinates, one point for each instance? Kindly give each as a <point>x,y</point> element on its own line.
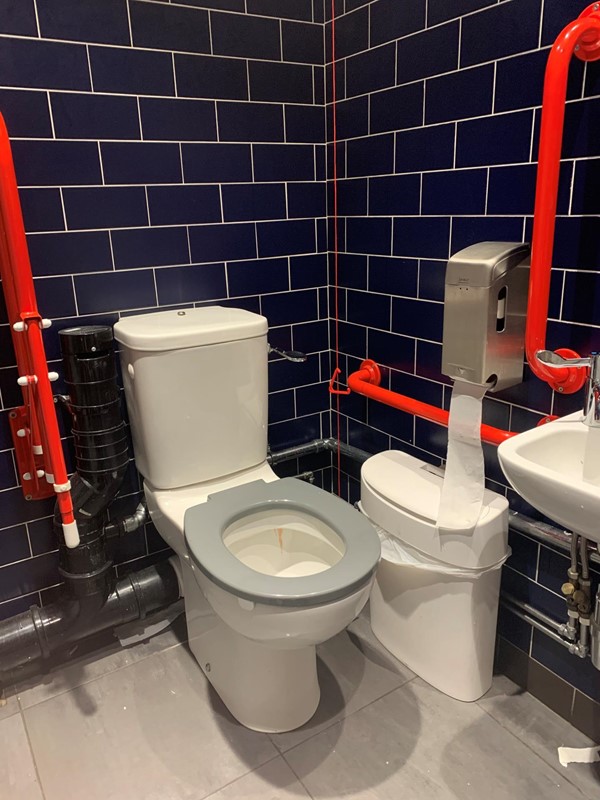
<point>129,22</point>
<point>139,110</point>
<point>89,63</point>
<point>221,208</point>
<point>62,205</point>
<point>37,18</point>
<point>181,163</point>
<point>51,114</point>
<point>562,295</point>
<point>155,286</point>
<point>541,26</point>
<point>148,207</point>
<point>77,314</point>
<point>453,168</point>
<point>112,252</point>
<point>101,164</point>
<point>174,75</point>
<point>532,139</point>
<point>571,187</point>
<point>210,35</point>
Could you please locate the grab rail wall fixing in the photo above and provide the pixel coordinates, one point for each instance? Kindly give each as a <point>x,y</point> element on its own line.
<point>580,38</point>
<point>366,382</point>
<point>34,426</point>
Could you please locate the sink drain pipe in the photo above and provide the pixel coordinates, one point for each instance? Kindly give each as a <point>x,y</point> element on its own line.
<point>92,599</point>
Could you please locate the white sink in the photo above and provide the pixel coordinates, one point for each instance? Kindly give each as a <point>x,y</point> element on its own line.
<point>556,468</point>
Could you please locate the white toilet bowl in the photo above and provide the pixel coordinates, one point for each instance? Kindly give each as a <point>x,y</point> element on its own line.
<point>270,570</point>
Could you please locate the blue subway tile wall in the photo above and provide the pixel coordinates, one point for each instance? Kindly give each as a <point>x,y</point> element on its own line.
<point>168,155</point>
<point>438,124</point>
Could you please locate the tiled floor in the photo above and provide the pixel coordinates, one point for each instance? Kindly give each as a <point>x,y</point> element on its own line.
<point>143,724</point>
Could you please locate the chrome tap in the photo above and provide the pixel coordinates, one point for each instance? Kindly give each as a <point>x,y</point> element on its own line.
<point>591,407</point>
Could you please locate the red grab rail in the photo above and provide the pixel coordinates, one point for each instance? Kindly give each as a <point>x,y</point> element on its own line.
<point>40,458</point>
<point>366,382</point>
<point>580,38</point>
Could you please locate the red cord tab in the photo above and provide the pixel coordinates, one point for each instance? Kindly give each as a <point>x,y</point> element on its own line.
<point>332,390</point>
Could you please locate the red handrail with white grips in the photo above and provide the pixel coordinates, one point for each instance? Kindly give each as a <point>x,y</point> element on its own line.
<point>366,381</point>
<point>40,457</point>
<point>580,38</point>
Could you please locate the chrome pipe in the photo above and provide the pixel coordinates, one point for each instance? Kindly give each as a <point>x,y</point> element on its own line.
<point>139,517</point>
<point>595,634</point>
<point>585,558</point>
<point>546,533</point>
<point>574,555</point>
<point>347,450</point>
<point>318,446</point>
<point>560,627</point>
<point>297,451</point>
<point>573,647</point>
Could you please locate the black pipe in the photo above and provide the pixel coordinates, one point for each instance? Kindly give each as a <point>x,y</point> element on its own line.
<point>101,456</point>
<point>92,599</point>
<point>29,639</point>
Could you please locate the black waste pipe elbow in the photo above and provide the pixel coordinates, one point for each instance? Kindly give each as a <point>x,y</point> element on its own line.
<point>29,639</point>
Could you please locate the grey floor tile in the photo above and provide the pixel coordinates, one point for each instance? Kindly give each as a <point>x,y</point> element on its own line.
<point>418,743</point>
<point>151,731</point>
<point>18,780</point>
<point>541,730</point>
<point>96,663</point>
<point>273,781</point>
<point>354,670</point>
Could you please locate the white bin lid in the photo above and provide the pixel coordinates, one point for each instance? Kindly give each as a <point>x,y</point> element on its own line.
<point>191,327</point>
<point>401,494</point>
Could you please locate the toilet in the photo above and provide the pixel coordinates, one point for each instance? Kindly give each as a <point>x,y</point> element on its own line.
<point>268,567</point>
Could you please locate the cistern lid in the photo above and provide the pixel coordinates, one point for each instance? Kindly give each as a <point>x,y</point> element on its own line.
<point>190,327</point>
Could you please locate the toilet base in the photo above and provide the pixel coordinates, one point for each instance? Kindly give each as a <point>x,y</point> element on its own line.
<point>277,690</point>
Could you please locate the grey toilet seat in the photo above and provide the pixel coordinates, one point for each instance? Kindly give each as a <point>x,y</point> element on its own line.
<point>205,524</point>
